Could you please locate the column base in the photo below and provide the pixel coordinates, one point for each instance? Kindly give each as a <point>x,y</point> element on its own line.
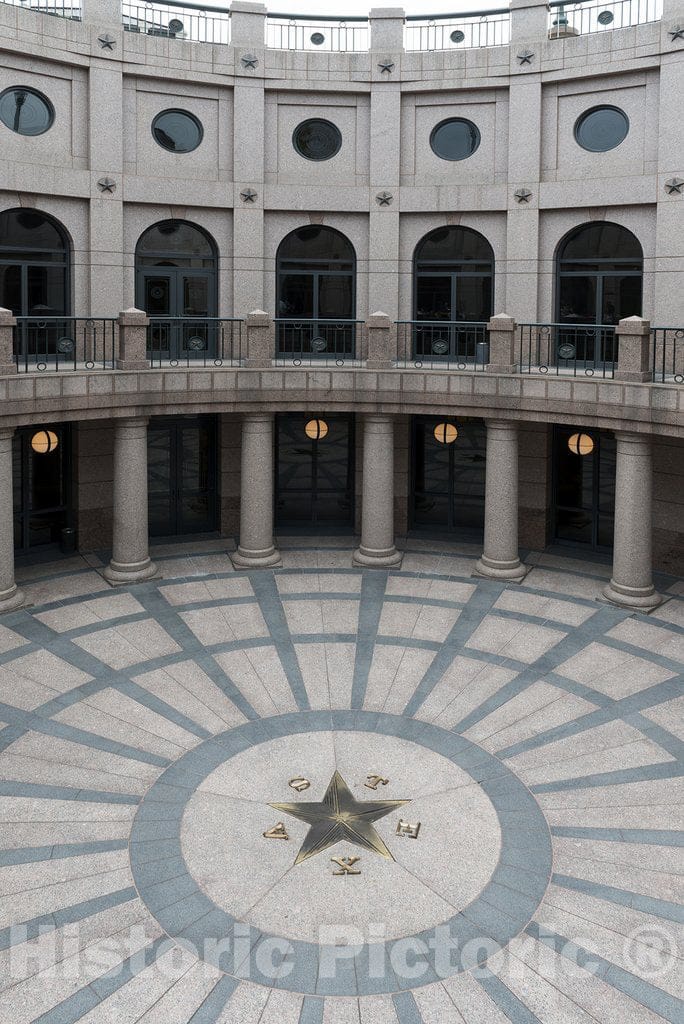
<point>12,599</point>
<point>267,558</point>
<point>643,599</point>
<point>514,572</point>
<point>121,573</point>
<point>386,558</point>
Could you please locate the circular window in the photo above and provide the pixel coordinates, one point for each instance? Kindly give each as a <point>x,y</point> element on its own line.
<point>455,139</point>
<point>317,139</point>
<point>26,111</point>
<point>601,129</point>
<point>177,131</point>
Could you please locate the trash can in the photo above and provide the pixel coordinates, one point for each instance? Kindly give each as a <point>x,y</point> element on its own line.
<point>482,353</point>
<point>67,540</point>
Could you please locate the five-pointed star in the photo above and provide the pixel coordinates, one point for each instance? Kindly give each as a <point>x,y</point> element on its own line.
<point>339,817</point>
<point>676,33</point>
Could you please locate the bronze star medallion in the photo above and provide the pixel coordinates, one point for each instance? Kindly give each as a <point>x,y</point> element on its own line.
<point>340,817</point>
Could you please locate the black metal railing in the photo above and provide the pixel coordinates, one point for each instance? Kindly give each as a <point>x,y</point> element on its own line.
<point>202,341</point>
<point>201,23</point>
<point>667,354</point>
<point>65,343</point>
<point>317,32</point>
<point>576,350</point>
<point>458,31</point>
<point>316,342</point>
<point>72,11</point>
<point>600,15</point>
<point>441,344</point>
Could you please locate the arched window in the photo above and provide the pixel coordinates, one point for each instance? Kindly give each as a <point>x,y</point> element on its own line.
<point>315,293</point>
<point>34,264</point>
<point>453,282</point>
<point>176,276</point>
<point>600,268</point>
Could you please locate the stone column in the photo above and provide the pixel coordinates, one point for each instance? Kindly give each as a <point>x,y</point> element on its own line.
<point>500,558</point>
<point>256,549</point>
<point>10,595</point>
<point>130,548</point>
<point>377,550</point>
<point>631,585</point>
<point>7,324</point>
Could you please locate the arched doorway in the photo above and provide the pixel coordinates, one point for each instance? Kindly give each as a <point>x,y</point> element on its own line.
<point>34,264</point>
<point>177,277</point>
<point>315,293</point>
<point>599,268</point>
<point>453,282</point>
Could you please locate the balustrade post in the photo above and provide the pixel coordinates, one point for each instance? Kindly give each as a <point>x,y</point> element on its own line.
<point>380,334</point>
<point>387,29</point>
<point>247,24</point>
<point>502,355</point>
<point>132,354</point>
<point>529,21</point>
<point>8,323</point>
<point>103,12</point>
<point>260,340</point>
<point>633,337</point>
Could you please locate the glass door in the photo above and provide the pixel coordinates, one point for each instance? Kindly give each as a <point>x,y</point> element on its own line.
<point>584,486</point>
<point>41,484</point>
<point>448,479</point>
<point>314,470</point>
<point>187,295</point>
<point>181,471</point>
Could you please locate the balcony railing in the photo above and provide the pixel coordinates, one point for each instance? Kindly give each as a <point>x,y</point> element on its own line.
<point>458,31</point>
<point>68,9</point>
<point>667,352</point>
<point>334,34</point>
<point>204,341</point>
<point>574,350</point>
<point>170,20</point>
<point>65,343</point>
<point>316,342</point>
<point>441,345</point>
<point>580,19</point>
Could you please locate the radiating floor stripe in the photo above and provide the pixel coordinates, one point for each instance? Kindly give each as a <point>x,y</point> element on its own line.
<point>213,1006</point>
<point>643,992</point>
<point>636,901</point>
<point>507,1001</point>
<point>60,851</point>
<point>25,930</point>
<point>650,836</point>
<point>406,1009</point>
<point>476,608</point>
<point>619,777</point>
<point>70,1010</point>
<point>312,1010</point>
<point>271,606</point>
<point>373,586</point>
<point>667,740</point>
<point>38,791</point>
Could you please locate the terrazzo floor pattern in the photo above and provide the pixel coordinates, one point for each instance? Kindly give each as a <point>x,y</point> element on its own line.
<point>536,732</point>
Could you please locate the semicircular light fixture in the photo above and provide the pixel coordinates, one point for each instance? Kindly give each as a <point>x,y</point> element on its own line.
<point>316,429</point>
<point>44,442</point>
<point>581,444</point>
<point>445,433</point>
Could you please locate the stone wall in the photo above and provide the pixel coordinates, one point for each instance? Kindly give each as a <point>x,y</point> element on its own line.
<point>668,505</point>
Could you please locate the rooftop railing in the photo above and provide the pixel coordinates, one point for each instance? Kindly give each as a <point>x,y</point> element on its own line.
<point>441,345</point>
<point>457,31</point>
<point>667,352</point>
<point>68,9</point>
<point>204,341</point>
<point>171,20</point>
<point>301,32</point>
<point>570,350</point>
<point>303,342</point>
<point>579,19</point>
<point>57,343</point>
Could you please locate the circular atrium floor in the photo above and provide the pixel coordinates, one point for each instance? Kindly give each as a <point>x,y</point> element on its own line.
<point>323,795</point>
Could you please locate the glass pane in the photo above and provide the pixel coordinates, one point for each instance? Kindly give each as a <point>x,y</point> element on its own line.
<point>158,296</point>
<point>335,296</point>
<point>473,298</point>
<point>10,289</point>
<point>433,297</point>
<point>159,460</point>
<point>603,240</point>
<point>601,129</point>
<point>315,242</point>
<point>621,298</point>
<point>45,478</point>
<point>315,478</point>
<point>45,291</point>
<point>577,300</point>
<point>32,232</point>
<point>25,111</point>
<point>317,139</point>
<point>177,130</point>
<point>195,297</point>
<point>469,460</point>
<point>454,243</point>
<point>455,139</point>
<point>573,525</point>
<point>175,237</point>
<point>296,296</point>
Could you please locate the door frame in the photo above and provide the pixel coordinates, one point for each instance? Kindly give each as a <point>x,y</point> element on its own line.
<point>175,424</point>
<point>24,435</point>
<point>314,523</point>
<point>598,435</point>
<point>177,330</point>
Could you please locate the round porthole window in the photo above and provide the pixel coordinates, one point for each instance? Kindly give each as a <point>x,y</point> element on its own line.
<point>455,139</point>
<point>26,111</point>
<point>601,129</point>
<point>177,130</point>
<point>317,139</point>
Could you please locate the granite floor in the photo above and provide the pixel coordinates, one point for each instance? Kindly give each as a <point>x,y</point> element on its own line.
<point>513,752</point>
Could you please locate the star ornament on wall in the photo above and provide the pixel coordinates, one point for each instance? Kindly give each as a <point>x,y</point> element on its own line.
<point>525,57</point>
<point>386,66</point>
<point>106,42</point>
<point>340,817</point>
<point>384,198</point>
<point>248,195</point>
<point>674,186</point>
<point>249,60</point>
<point>676,33</point>
<point>106,185</point>
<point>523,195</point>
